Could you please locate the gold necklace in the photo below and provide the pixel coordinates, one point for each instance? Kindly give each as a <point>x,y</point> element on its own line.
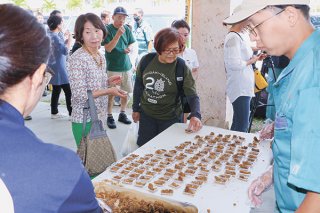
<point>99,63</point>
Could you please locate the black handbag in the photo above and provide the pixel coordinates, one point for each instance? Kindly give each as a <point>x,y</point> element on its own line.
<point>95,150</point>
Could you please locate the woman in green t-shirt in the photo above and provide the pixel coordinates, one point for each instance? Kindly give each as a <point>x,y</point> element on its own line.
<point>156,102</point>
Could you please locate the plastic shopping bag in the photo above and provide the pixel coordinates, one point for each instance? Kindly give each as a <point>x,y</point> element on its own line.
<point>130,143</point>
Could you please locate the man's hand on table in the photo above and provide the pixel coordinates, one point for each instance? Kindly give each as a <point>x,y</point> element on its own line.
<point>267,132</point>
<point>260,185</point>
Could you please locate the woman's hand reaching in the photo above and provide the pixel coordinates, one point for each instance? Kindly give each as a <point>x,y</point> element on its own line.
<point>117,92</point>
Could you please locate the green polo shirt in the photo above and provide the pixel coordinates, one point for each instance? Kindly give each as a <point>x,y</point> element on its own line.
<point>117,59</point>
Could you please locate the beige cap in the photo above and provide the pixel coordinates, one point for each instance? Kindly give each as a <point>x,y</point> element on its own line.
<point>250,7</point>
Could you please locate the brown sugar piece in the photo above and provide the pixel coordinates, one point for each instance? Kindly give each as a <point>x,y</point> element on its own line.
<point>134,175</point>
<point>166,191</point>
<point>152,187</point>
<point>216,168</point>
<point>244,172</point>
<point>128,180</point>
<point>159,182</point>
<point>140,183</point>
<point>114,169</point>
<point>117,177</point>
<point>220,180</point>
<point>243,177</point>
<point>189,190</point>
<point>179,178</point>
<point>190,171</point>
<point>174,185</point>
<point>160,151</point>
<point>202,178</point>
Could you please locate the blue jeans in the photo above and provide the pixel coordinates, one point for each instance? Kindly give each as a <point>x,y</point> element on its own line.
<point>241,112</point>
<point>150,127</point>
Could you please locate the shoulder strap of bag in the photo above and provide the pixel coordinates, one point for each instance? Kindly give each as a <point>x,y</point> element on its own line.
<point>97,130</point>
<point>180,76</point>
<point>146,60</point>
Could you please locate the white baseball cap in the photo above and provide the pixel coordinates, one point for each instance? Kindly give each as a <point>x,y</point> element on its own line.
<point>250,7</point>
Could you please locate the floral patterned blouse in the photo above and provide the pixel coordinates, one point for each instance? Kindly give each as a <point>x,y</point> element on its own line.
<point>85,74</point>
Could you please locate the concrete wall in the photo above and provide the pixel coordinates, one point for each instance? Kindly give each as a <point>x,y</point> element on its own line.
<point>207,39</point>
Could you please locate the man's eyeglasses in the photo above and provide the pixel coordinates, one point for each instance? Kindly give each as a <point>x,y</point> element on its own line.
<point>251,30</point>
<point>174,51</point>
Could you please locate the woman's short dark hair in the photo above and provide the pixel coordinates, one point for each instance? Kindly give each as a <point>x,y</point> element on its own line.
<point>82,19</point>
<point>180,24</point>
<point>55,12</point>
<point>77,26</point>
<point>53,22</point>
<point>165,37</point>
<point>24,45</point>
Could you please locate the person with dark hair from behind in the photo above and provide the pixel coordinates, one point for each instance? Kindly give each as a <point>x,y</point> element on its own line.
<point>57,62</point>
<point>63,35</point>
<point>156,104</point>
<point>77,44</point>
<point>56,13</point>
<point>40,177</point>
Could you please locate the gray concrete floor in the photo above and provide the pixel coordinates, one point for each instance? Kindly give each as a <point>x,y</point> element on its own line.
<point>59,132</point>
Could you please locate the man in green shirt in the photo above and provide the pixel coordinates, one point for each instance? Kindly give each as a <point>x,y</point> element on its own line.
<point>118,45</point>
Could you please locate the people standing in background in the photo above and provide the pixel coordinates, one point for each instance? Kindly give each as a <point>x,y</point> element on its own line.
<point>134,53</point>
<point>63,35</point>
<point>87,71</point>
<point>40,177</point>
<point>57,63</point>
<point>142,32</point>
<point>118,45</point>
<point>39,17</point>
<point>188,54</point>
<point>238,60</point>
<point>105,17</point>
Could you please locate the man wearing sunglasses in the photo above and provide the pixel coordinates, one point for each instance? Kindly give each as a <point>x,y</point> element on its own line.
<point>282,27</point>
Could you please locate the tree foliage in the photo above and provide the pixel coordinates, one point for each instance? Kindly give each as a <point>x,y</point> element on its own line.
<point>74,4</point>
<point>48,5</point>
<point>20,3</point>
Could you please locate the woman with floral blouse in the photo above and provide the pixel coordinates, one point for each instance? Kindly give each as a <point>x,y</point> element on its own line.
<point>87,71</point>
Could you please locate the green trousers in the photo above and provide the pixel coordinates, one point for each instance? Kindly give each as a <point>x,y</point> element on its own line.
<point>77,131</point>
<point>77,134</point>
